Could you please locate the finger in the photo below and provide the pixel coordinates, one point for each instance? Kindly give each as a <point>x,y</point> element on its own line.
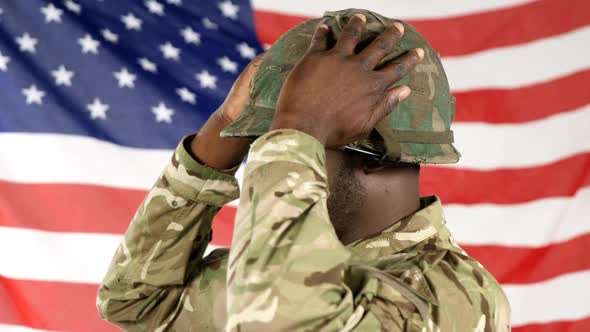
<point>388,103</point>
<point>381,46</point>
<point>319,40</point>
<point>351,34</point>
<point>399,67</point>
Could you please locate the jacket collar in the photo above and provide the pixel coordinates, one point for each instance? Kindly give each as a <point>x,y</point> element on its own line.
<point>405,233</point>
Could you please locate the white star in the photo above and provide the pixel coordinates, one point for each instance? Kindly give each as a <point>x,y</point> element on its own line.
<point>207,80</point>
<point>163,113</point>
<point>155,7</point>
<point>191,36</point>
<point>52,13</point>
<point>229,9</point>
<point>227,65</point>
<point>4,60</point>
<point>63,76</point>
<point>125,78</point>
<point>97,109</point>
<point>246,51</point>
<point>147,65</point>
<point>89,44</point>
<point>34,95</point>
<point>209,24</point>
<point>26,43</point>
<point>73,6</point>
<point>186,95</point>
<point>110,36</point>
<point>169,51</point>
<point>131,22</point>
<point>174,2</point>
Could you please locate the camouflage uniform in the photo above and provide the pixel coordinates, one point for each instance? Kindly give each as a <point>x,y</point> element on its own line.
<point>287,270</point>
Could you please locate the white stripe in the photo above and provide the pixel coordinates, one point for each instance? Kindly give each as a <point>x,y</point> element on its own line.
<point>525,64</point>
<point>55,256</point>
<point>77,159</point>
<point>392,8</point>
<point>18,328</point>
<point>45,158</point>
<point>532,224</point>
<point>486,147</point>
<point>561,298</point>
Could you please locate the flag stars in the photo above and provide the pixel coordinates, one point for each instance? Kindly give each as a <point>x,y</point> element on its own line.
<point>155,7</point>
<point>125,78</point>
<point>207,80</point>
<point>63,76</point>
<point>175,2</point>
<point>227,65</point>
<point>73,6</point>
<point>191,36</point>
<point>229,9</point>
<point>26,43</point>
<point>89,44</point>
<point>147,65</point>
<point>131,22</point>
<point>246,51</point>
<point>33,95</point>
<point>170,52</point>
<point>186,95</point>
<point>52,13</point>
<point>4,60</point>
<point>97,109</point>
<point>163,113</point>
<point>110,36</point>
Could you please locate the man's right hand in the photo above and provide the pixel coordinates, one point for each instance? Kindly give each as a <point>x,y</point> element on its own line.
<point>219,152</point>
<point>338,95</point>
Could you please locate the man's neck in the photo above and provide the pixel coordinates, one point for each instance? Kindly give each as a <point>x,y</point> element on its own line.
<point>385,205</point>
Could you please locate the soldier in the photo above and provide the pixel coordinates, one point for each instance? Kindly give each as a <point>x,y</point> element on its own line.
<point>330,233</point>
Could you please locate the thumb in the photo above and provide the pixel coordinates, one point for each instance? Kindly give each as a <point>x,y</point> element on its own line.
<point>388,103</point>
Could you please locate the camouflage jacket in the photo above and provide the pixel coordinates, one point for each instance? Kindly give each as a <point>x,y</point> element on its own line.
<point>287,270</point>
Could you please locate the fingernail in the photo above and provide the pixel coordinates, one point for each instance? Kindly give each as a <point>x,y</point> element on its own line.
<point>403,93</point>
<point>323,26</point>
<point>400,27</point>
<point>361,17</point>
<point>420,53</point>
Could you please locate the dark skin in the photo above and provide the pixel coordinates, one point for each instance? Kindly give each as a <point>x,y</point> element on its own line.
<point>336,96</point>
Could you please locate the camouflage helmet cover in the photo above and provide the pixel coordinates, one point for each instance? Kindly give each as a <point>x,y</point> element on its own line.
<point>418,129</point>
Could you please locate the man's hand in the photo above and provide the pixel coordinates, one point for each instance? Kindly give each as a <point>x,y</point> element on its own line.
<point>218,152</point>
<point>337,96</point>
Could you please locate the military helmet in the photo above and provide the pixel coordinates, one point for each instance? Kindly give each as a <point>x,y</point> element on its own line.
<point>416,131</point>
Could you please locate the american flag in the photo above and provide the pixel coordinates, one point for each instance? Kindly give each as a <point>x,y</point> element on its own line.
<point>95,94</point>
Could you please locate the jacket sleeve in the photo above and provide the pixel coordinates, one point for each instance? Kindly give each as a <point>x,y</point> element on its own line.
<point>164,243</point>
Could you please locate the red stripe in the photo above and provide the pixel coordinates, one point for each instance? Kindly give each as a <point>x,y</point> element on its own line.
<point>82,208</point>
<point>520,265</point>
<point>55,306</point>
<point>524,104</point>
<point>509,186</point>
<point>49,305</point>
<point>582,325</point>
<point>470,33</point>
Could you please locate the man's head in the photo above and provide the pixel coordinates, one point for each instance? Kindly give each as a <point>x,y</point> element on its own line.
<point>366,196</point>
